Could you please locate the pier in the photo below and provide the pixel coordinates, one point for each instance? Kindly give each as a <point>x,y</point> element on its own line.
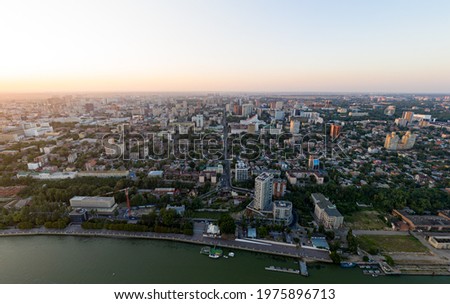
<point>281,269</point>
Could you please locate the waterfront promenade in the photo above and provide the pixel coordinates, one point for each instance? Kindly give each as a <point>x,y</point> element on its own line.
<point>307,254</point>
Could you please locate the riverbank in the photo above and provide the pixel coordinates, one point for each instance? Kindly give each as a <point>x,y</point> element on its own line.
<point>307,254</point>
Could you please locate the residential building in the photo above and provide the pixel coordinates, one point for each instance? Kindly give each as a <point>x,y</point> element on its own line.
<point>335,131</point>
<point>326,213</point>
<point>241,171</point>
<point>279,187</point>
<point>263,191</point>
<point>282,212</point>
<point>294,127</point>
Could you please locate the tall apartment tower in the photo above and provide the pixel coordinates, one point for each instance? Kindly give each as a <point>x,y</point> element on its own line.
<point>408,115</point>
<point>391,141</point>
<point>294,127</point>
<point>408,140</point>
<point>335,131</point>
<point>263,191</point>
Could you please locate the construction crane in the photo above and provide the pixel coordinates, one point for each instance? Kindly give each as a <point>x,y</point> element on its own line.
<point>127,197</point>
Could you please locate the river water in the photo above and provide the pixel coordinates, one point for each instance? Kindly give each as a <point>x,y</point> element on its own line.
<point>67,259</point>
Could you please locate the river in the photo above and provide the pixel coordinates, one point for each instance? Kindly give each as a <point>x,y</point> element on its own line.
<point>68,259</point>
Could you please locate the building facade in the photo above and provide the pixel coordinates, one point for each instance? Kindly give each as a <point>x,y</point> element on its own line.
<point>263,191</point>
<point>326,213</point>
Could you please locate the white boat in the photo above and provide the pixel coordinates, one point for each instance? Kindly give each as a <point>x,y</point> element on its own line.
<point>231,254</point>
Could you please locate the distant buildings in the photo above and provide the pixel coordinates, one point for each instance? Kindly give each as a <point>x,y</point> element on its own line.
<point>389,111</point>
<point>294,127</point>
<point>401,122</point>
<point>198,120</point>
<point>247,110</point>
<point>263,191</point>
<point>408,116</point>
<point>326,213</point>
<point>394,143</point>
<point>335,131</point>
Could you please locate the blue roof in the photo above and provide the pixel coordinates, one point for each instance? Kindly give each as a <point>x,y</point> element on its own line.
<point>251,232</point>
<point>320,242</point>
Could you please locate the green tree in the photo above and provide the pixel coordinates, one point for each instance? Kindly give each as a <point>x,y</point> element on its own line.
<point>227,224</point>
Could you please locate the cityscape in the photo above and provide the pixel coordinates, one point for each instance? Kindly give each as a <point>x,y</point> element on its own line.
<point>225,142</point>
<point>355,180</point>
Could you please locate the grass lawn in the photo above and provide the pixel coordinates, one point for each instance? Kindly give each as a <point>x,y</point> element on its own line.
<point>365,220</point>
<point>391,243</point>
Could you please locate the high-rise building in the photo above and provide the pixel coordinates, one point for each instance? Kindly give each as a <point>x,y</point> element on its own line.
<point>408,141</point>
<point>279,187</point>
<point>279,114</point>
<point>247,110</point>
<point>391,141</point>
<point>279,105</point>
<point>401,122</point>
<point>241,171</point>
<point>294,127</point>
<point>335,131</point>
<point>237,109</point>
<point>408,115</point>
<point>263,191</point>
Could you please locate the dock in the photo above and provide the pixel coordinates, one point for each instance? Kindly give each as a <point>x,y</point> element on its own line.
<point>281,269</point>
<point>303,268</point>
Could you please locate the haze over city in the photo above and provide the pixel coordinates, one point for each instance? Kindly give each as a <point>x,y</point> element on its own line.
<point>285,46</point>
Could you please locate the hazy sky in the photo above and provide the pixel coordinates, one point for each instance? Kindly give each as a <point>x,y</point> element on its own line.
<point>225,45</point>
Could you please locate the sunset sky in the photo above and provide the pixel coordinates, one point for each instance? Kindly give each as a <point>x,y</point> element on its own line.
<point>225,45</point>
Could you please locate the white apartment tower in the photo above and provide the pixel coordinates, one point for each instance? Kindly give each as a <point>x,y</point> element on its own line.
<point>263,191</point>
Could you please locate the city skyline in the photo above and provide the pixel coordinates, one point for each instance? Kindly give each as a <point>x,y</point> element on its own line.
<point>225,46</point>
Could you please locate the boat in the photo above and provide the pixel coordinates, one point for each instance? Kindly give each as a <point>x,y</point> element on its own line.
<point>215,253</point>
<point>347,265</point>
<point>205,250</point>
<point>231,254</point>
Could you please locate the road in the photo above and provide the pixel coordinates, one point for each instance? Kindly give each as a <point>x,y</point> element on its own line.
<point>379,232</point>
<point>226,178</point>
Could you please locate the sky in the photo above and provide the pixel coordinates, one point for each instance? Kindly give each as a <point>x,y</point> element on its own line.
<point>225,45</point>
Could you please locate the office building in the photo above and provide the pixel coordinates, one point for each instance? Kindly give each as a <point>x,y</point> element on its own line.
<point>98,204</point>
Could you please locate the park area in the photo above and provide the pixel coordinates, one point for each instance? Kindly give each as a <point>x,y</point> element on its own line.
<point>390,243</point>
<point>365,220</point>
